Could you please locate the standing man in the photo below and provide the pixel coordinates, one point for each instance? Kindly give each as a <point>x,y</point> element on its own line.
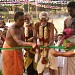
<point>60,59</point>
<point>30,53</point>
<point>12,60</point>
<point>69,22</point>
<point>44,31</point>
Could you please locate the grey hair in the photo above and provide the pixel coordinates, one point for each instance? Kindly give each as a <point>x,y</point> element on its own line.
<point>44,14</point>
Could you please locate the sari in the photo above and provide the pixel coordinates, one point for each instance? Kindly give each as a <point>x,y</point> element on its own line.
<point>12,61</point>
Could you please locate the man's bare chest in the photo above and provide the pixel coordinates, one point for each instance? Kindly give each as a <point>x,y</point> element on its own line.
<point>19,33</point>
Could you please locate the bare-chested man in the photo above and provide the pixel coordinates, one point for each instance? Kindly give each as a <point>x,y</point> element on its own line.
<point>69,22</point>
<point>12,60</point>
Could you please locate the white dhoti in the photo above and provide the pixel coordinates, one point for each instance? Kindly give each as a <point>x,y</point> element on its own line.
<point>52,63</point>
<point>69,66</point>
<point>69,63</point>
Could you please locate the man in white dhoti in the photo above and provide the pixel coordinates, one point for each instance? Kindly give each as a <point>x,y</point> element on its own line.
<point>70,61</point>
<point>44,31</point>
<point>60,59</point>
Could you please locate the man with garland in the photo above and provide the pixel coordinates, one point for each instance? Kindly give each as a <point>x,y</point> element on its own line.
<point>29,63</point>
<point>44,36</point>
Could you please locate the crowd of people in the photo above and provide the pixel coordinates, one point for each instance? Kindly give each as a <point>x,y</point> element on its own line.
<point>39,35</point>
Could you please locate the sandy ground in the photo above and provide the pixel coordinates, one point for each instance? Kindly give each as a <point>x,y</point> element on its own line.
<point>59,24</point>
